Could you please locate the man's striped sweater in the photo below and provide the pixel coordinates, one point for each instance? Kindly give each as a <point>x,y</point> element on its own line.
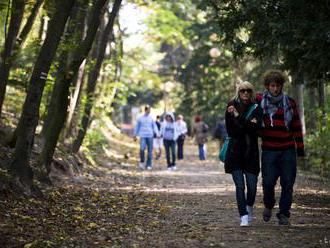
<point>278,137</point>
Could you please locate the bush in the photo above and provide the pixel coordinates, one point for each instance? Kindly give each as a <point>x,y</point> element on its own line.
<point>317,145</point>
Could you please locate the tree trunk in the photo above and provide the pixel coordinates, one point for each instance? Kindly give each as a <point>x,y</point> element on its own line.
<point>60,104</point>
<point>79,80</point>
<point>30,114</point>
<point>75,98</point>
<point>6,60</point>
<point>63,62</point>
<point>119,53</point>
<point>299,92</point>
<point>312,96</point>
<point>321,90</point>
<point>298,95</point>
<point>92,80</point>
<point>16,49</point>
<point>43,28</point>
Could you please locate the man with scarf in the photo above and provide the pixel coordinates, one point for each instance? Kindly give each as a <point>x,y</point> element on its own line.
<point>282,142</point>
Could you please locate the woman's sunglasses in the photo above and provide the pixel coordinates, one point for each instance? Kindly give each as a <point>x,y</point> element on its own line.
<point>245,91</point>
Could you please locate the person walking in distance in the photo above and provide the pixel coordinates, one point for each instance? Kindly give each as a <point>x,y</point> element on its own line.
<point>243,120</point>
<point>199,131</point>
<point>182,132</point>
<point>170,134</point>
<point>220,132</point>
<point>145,128</point>
<point>158,141</point>
<point>282,142</point>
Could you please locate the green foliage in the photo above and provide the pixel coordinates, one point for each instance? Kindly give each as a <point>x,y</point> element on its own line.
<point>3,15</point>
<point>3,4</point>
<point>140,83</point>
<point>165,26</point>
<point>207,75</point>
<point>318,144</point>
<point>94,140</point>
<point>24,63</point>
<point>296,31</point>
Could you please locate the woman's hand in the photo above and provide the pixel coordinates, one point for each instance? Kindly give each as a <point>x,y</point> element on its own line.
<point>232,110</point>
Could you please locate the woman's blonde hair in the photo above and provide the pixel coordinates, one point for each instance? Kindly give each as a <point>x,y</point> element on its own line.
<point>244,85</point>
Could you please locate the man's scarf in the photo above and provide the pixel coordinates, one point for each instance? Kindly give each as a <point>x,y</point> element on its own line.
<point>270,105</point>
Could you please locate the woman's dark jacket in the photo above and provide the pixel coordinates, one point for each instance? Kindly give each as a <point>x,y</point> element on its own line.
<point>243,152</point>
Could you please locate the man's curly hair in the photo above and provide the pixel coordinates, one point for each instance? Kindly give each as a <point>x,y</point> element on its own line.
<point>274,76</point>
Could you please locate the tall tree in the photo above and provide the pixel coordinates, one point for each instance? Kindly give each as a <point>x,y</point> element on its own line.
<point>20,168</point>
<point>93,77</point>
<point>74,98</point>
<point>73,35</point>
<point>59,104</point>
<point>17,12</point>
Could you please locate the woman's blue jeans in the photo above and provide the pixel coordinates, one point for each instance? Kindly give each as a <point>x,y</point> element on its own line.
<point>170,152</point>
<point>250,180</point>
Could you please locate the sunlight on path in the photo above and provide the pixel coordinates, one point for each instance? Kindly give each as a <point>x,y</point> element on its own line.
<point>192,176</point>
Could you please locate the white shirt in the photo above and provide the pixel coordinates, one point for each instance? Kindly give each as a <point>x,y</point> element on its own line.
<point>181,127</point>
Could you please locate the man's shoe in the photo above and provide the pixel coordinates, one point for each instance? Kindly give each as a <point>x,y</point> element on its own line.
<point>244,220</point>
<point>149,168</point>
<point>173,168</point>
<point>141,165</point>
<point>249,209</point>
<point>267,214</point>
<point>283,220</point>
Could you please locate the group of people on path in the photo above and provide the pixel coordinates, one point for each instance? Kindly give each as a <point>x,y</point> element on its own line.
<point>153,134</point>
<point>275,119</point>
<point>271,115</point>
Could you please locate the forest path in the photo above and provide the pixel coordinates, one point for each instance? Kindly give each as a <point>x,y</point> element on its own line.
<point>119,205</point>
<point>201,207</point>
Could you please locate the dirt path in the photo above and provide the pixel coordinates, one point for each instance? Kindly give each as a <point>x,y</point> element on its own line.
<point>203,209</point>
<point>118,205</point>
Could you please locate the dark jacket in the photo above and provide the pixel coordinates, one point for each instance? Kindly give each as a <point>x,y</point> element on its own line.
<point>243,152</point>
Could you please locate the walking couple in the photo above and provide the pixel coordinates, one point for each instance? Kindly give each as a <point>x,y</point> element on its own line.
<point>274,117</point>
<point>170,131</point>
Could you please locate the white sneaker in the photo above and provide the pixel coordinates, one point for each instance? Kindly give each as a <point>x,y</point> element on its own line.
<point>149,168</point>
<point>141,165</point>
<point>169,168</point>
<point>174,168</point>
<point>244,220</point>
<point>249,209</point>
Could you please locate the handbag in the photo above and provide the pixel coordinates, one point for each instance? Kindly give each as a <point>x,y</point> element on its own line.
<point>224,149</point>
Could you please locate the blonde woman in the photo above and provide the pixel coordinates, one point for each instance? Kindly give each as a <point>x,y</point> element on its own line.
<point>243,120</point>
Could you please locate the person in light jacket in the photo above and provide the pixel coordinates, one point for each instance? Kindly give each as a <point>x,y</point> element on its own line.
<point>182,132</point>
<point>158,141</point>
<point>169,133</point>
<point>146,128</point>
